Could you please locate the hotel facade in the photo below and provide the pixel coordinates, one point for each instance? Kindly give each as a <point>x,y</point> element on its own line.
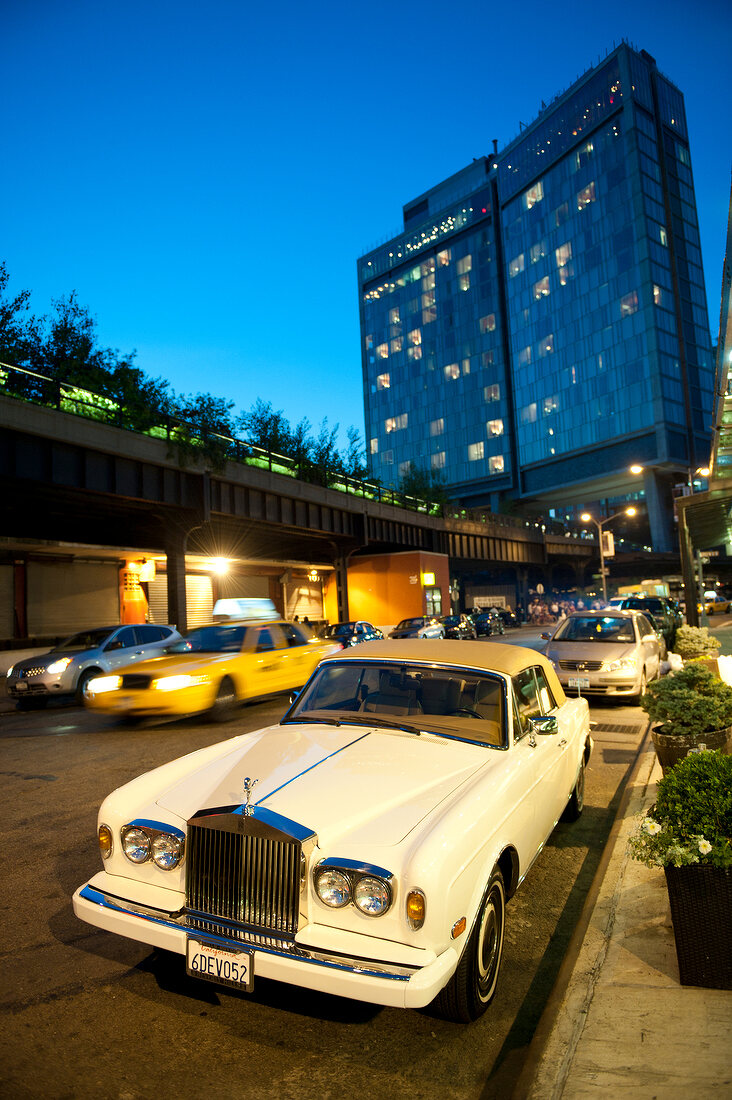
<point>541,325</point>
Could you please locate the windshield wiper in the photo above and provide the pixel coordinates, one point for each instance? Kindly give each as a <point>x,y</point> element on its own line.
<point>316,721</point>
<point>376,720</point>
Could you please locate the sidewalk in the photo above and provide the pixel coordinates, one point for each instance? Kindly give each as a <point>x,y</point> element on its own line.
<point>618,1022</point>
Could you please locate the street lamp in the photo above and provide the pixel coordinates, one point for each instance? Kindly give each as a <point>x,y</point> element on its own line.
<point>599,524</point>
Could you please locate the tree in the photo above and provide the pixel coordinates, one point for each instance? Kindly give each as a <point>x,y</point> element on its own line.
<point>266,427</point>
<point>19,329</point>
<point>426,485</point>
<point>353,460</point>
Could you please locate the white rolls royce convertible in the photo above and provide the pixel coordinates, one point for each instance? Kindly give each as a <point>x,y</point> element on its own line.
<point>364,846</point>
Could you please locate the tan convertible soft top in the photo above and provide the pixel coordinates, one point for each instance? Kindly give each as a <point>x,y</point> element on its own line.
<point>488,656</point>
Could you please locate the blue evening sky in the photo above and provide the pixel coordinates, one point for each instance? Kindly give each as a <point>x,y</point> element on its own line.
<point>205,175</point>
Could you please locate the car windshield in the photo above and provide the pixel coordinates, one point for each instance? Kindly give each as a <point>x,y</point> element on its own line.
<point>337,630</point>
<point>219,638</point>
<point>405,624</point>
<point>87,639</point>
<point>451,702</point>
<point>595,628</point>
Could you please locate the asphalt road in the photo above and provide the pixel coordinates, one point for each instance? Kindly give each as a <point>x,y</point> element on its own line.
<point>88,1014</point>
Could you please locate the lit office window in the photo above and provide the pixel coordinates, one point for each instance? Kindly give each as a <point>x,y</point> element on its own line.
<point>533,195</point>
<point>657,295</point>
<point>488,323</point>
<point>428,267</point>
<point>537,251</point>
<point>566,273</point>
<point>464,282</point>
<point>541,288</point>
<point>662,236</point>
<point>437,427</point>
<point>583,154</point>
<point>516,265</point>
<point>415,337</point>
<point>382,351</point>
<point>395,423</point>
<point>546,345</point>
<point>369,343</point>
<point>466,366</point>
<point>561,214</point>
<point>586,196</point>
<point>443,258</point>
<point>404,468</point>
<point>452,370</point>
<point>476,451</point>
<point>550,405</point>
<point>492,393</point>
<point>438,460</point>
<point>487,358</point>
<point>394,316</point>
<point>495,427</point>
<point>629,303</point>
<point>414,353</point>
<point>396,344</point>
<point>563,254</point>
<point>524,356</point>
<point>374,446</point>
<point>383,382</point>
<point>496,464</point>
<point>465,264</point>
<point>528,413</point>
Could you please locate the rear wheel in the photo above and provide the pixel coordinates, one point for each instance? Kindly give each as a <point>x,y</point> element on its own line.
<point>224,703</point>
<point>468,993</point>
<point>576,803</point>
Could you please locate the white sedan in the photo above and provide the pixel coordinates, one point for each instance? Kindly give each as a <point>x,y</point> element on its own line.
<point>367,844</point>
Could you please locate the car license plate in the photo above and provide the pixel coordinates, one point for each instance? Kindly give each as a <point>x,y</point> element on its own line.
<point>219,964</point>
<point>578,682</point>
<point>21,686</point>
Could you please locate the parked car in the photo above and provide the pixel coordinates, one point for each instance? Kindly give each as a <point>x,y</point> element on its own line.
<point>351,633</point>
<point>610,652</point>
<point>487,622</point>
<point>211,670</point>
<point>69,666</point>
<point>662,611</point>
<point>367,844</point>
<point>509,617</point>
<point>419,626</point>
<point>458,626</point>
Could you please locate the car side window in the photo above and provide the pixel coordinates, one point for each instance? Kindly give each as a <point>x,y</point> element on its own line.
<point>546,699</point>
<point>293,635</point>
<point>147,634</point>
<point>268,638</point>
<point>526,695</point>
<point>644,627</point>
<point>125,639</point>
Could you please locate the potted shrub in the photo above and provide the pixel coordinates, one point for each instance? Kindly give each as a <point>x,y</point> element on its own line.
<point>695,641</point>
<point>693,707</point>
<point>688,832</point>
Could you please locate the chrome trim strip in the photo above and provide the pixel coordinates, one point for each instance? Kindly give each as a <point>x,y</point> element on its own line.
<point>301,954</point>
<point>154,826</point>
<point>332,862</point>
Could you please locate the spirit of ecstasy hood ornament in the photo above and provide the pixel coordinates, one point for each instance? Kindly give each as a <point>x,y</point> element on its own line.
<point>249,785</point>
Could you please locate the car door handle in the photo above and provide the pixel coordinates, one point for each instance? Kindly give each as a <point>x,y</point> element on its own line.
<point>563,742</point>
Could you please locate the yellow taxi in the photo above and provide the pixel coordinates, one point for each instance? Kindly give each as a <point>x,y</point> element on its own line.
<point>210,670</point>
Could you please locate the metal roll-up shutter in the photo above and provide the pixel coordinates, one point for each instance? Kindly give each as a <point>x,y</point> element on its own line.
<point>199,599</point>
<point>64,597</point>
<point>7,602</point>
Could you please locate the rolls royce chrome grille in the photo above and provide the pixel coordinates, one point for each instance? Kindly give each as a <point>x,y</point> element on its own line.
<point>243,871</point>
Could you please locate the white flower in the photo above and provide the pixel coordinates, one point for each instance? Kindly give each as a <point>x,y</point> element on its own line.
<point>652,827</point>
<point>704,846</point>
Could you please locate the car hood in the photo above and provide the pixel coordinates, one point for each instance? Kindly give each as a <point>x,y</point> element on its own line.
<point>589,651</point>
<point>43,660</point>
<point>349,781</point>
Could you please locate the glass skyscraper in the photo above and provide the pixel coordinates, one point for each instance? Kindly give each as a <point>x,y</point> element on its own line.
<point>541,323</point>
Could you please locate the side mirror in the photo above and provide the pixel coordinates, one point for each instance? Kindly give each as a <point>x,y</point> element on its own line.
<point>545,636</point>
<point>546,723</point>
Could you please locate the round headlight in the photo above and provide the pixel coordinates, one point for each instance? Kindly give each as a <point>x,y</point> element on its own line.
<point>167,851</point>
<point>136,845</point>
<point>333,888</point>
<point>372,896</point>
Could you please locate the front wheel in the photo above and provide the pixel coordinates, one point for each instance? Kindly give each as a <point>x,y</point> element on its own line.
<point>468,993</point>
<point>576,803</point>
<point>224,703</point>
<point>83,683</point>
<point>641,686</point>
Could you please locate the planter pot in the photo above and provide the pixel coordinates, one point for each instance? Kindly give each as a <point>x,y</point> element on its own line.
<point>701,911</point>
<point>670,748</point>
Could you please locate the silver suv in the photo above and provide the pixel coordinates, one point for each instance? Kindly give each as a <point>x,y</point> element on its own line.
<point>67,669</point>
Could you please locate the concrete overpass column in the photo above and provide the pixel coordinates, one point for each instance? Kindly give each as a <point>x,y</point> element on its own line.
<point>341,579</point>
<point>176,565</point>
